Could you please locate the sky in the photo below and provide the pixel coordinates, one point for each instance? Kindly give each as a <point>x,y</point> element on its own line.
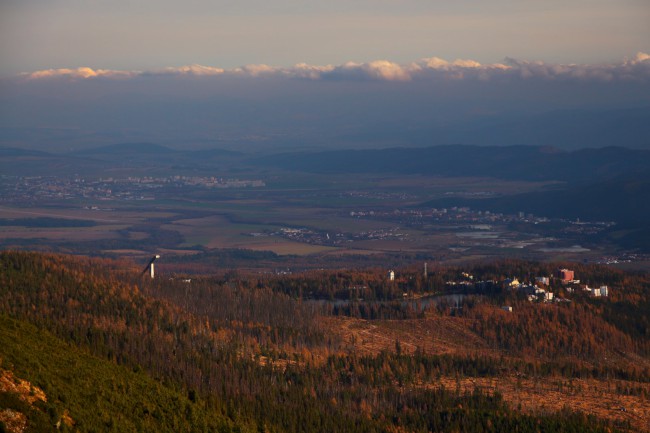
<point>271,75</point>
<point>150,34</point>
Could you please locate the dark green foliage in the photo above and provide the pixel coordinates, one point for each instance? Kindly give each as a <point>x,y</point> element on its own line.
<point>99,395</point>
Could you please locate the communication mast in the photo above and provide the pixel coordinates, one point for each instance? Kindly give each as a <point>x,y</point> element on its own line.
<point>150,266</point>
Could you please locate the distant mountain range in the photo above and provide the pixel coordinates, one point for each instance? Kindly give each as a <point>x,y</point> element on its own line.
<point>530,163</point>
<point>152,152</point>
<point>565,129</point>
<point>533,163</point>
<point>138,155</point>
<point>139,149</point>
<point>344,123</point>
<point>624,200</point>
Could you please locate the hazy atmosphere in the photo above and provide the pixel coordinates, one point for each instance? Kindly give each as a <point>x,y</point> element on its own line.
<point>267,76</point>
<point>148,34</point>
<point>344,216</point>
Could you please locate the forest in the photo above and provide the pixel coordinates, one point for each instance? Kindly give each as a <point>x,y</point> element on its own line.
<point>321,350</point>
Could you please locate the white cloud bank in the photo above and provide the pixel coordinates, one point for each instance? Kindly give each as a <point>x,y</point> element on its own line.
<point>637,68</point>
<point>83,72</point>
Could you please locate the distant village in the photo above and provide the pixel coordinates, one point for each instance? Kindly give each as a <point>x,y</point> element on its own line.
<point>478,219</point>
<point>538,289</point>
<point>31,188</point>
<point>468,225</point>
<point>321,237</point>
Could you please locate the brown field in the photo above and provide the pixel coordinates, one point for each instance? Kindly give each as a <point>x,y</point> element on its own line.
<point>451,335</point>
<point>538,396</point>
<point>72,234</point>
<point>317,202</point>
<point>284,247</point>
<point>434,185</point>
<point>126,252</point>
<point>435,335</point>
<point>117,216</point>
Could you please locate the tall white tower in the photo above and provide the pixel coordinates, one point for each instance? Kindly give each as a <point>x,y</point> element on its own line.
<point>150,266</point>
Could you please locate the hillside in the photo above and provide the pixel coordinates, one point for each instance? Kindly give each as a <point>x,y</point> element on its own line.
<point>254,352</point>
<point>85,393</point>
<point>624,200</point>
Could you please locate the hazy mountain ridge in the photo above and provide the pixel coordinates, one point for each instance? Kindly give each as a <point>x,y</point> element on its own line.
<point>624,199</point>
<point>507,162</point>
<point>135,148</point>
<point>565,129</point>
<point>297,115</point>
<point>102,159</point>
<point>534,163</point>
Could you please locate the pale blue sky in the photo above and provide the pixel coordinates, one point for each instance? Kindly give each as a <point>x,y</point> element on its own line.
<point>147,34</point>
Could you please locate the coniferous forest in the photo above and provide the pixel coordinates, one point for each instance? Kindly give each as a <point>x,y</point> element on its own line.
<point>329,351</point>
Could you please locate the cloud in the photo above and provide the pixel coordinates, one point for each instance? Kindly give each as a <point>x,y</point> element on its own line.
<point>79,73</point>
<point>255,70</point>
<point>636,69</point>
<point>198,70</point>
<point>377,70</point>
<point>303,70</point>
<point>640,58</point>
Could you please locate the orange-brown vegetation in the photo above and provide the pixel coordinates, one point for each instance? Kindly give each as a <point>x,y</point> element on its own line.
<point>283,351</point>
<point>608,398</point>
<point>25,390</point>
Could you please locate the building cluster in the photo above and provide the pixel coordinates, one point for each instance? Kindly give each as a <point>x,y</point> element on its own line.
<point>597,291</point>
<point>328,238</point>
<point>532,291</point>
<point>30,188</point>
<point>482,228</point>
<point>537,291</point>
<point>378,195</point>
<point>453,214</point>
<point>566,277</point>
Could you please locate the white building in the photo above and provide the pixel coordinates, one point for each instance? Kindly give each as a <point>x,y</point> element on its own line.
<point>543,280</point>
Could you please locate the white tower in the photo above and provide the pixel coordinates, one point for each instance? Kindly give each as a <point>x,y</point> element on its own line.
<point>150,266</point>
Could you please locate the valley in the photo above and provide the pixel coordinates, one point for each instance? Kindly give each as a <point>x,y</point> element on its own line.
<point>295,294</point>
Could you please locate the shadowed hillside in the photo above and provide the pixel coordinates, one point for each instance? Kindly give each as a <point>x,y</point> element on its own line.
<point>250,351</point>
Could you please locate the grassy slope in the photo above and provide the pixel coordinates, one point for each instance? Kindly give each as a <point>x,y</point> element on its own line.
<point>98,395</point>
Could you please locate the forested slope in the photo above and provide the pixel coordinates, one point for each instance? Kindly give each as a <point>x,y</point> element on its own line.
<point>85,393</point>
<point>237,352</point>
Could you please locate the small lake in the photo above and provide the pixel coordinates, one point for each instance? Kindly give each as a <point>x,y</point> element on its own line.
<point>421,303</point>
<point>571,249</point>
